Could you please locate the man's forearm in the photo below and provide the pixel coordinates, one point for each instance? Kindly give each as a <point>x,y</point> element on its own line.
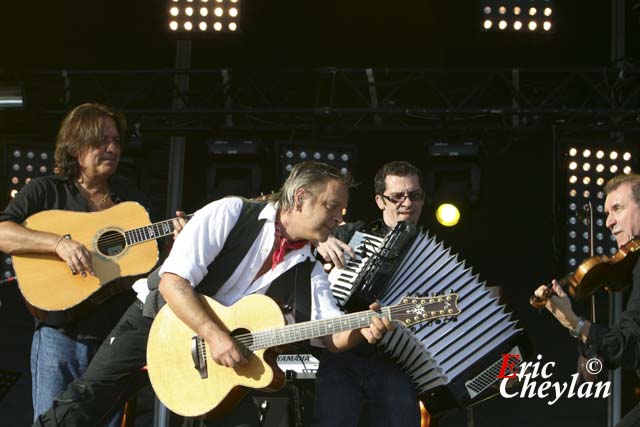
<point>186,305</point>
<point>17,239</point>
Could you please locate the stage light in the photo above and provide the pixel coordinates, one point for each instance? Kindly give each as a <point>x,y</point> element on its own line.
<point>452,180</point>
<point>342,157</point>
<point>221,16</point>
<point>11,97</point>
<point>508,14</point>
<point>27,162</point>
<point>585,184</point>
<point>448,214</point>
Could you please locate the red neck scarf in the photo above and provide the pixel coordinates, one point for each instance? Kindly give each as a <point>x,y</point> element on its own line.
<point>281,245</point>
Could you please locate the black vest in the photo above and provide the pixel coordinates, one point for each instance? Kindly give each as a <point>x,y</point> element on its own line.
<point>292,290</point>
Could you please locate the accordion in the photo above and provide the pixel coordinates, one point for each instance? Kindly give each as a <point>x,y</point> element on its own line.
<point>452,364</point>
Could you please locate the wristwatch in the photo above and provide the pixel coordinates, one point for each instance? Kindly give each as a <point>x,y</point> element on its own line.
<point>575,332</point>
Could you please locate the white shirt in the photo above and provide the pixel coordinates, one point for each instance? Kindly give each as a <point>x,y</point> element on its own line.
<point>202,239</point>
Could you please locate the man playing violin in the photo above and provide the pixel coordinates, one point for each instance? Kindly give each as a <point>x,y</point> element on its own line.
<point>618,345</point>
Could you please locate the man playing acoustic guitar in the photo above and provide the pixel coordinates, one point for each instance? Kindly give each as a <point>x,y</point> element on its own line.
<point>87,153</point>
<point>618,345</point>
<point>231,248</point>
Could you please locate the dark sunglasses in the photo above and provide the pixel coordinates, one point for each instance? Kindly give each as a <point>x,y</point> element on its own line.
<point>414,196</point>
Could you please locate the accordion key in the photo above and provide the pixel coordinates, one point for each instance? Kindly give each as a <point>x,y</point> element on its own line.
<point>364,278</point>
<point>452,364</point>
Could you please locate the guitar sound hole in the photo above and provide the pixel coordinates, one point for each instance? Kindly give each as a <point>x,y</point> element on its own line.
<point>111,243</point>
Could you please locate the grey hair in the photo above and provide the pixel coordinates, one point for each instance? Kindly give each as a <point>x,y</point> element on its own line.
<point>618,180</point>
<point>307,175</point>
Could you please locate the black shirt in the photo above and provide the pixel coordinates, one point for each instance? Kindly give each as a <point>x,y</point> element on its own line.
<point>620,344</point>
<point>57,192</point>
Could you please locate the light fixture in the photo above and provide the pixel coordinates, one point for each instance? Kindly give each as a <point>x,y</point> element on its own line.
<point>203,16</point>
<point>448,214</point>
<point>585,185</point>
<point>340,156</point>
<point>11,97</point>
<point>452,180</point>
<point>508,15</point>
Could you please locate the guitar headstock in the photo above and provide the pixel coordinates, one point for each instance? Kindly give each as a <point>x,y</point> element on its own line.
<point>413,310</point>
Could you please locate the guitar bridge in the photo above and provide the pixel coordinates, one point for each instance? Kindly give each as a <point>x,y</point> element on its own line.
<point>199,356</point>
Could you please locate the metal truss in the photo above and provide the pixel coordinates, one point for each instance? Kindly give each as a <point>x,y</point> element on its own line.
<point>347,99</point>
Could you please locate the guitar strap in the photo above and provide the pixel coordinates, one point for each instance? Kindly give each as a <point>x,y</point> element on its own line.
<point>291,290</point>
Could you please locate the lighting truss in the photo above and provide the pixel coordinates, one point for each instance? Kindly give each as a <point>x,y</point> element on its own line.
<point>530,16</point>
<point>203,16</point>
<point>588,168</point>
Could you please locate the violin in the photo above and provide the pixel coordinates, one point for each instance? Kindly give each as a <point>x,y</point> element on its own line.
<point>609,273</point>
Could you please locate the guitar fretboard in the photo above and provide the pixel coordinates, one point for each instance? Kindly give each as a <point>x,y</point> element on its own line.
<point>150,232</point>
<point>314,329</point>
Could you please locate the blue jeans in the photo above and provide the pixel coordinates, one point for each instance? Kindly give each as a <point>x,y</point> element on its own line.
<point>56,361</point>
<point>349,382</point>
<point>112,377</point>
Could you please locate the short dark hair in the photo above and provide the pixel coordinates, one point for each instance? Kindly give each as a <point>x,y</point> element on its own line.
<point>395,168</point>
<point>82,128</point>
<point>307,175</point>
<point>618,180</point>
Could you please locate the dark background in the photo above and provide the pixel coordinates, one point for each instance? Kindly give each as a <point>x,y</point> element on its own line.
<point>510,236</point>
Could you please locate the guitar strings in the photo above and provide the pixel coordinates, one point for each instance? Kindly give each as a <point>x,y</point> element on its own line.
<point>123,235</point>
<point>247,340</point>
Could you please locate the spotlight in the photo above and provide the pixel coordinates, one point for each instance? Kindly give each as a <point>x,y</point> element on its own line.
<point>219,16</point>
<point>508,14</point>
<point>587,179</point>
<point>448,214</point>
<point>342,157</point>
<point>11,97</point>
<point>27,162</point>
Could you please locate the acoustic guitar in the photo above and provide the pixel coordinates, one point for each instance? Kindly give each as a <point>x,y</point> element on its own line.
<point>191,384</point>
<point>122,242</point>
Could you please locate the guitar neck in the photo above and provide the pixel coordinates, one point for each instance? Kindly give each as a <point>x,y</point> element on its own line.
<point>314,329</point>
<point>151,232</point>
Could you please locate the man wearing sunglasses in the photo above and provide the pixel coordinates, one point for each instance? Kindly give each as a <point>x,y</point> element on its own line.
<point>362,386</point>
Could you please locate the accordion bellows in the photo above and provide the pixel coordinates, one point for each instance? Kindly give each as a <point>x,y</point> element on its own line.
<point>452,364</point>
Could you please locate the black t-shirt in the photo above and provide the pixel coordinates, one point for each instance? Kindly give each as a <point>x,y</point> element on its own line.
<point>57,192</point>
<point>619,345</point>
